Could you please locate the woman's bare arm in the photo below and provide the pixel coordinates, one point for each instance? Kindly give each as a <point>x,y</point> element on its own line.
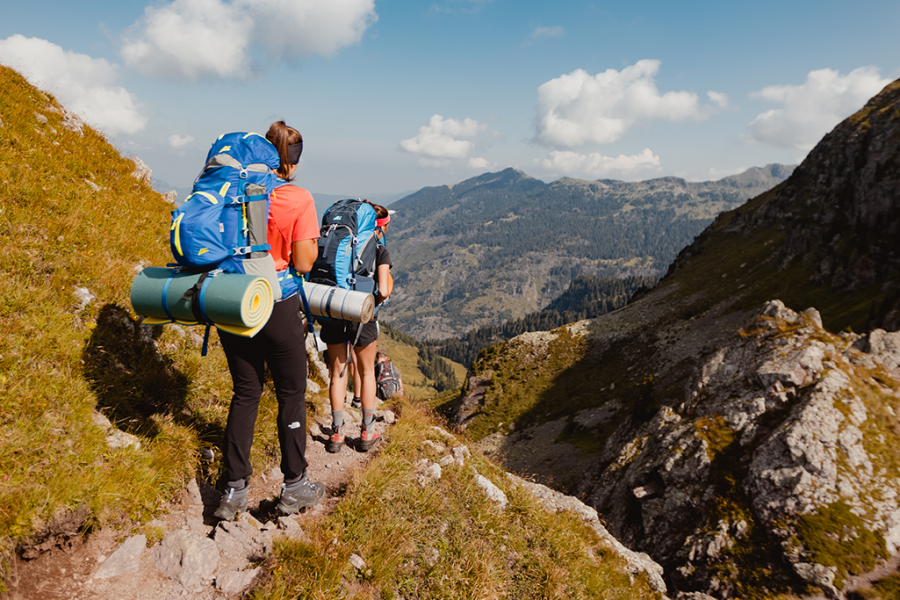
<point>304,255</point>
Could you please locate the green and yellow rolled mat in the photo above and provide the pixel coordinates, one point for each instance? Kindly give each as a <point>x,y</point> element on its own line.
<point>238,304</point>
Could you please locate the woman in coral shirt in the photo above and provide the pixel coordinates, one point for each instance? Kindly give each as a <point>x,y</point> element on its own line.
<point>292,232</point>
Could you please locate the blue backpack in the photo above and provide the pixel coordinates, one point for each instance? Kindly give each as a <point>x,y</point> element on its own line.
<point>223,222</point>
<point>347,248</point>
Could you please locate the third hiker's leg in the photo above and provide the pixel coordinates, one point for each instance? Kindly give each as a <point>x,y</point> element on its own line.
<point>366,364</point>
<point>337,360</point>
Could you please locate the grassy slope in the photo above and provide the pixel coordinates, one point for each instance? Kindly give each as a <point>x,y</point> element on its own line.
<point>59,363</point>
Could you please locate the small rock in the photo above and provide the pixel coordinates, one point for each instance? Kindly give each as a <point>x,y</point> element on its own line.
<point>126,559</point>
<point>192,495</point>
<point>431,556</point>
<point>290,529</point>
<point>196,525</point>
<point>84,296</point>
<point>443,432</point>
<point>494,493</point>
<point>819,575</point>
<point>426,471</point>
<point>120,439</point>
<point>236,582</point>
<point>461,453</point>
<point>358,562</point>
<point>186,557</point>
<point>243,539</point>
<point>100,420</point>
<point>436,447</point>
<point>141,171</point>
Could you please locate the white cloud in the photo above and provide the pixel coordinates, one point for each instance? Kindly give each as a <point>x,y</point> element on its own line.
<point>557,31</point>
<point>180,141</point>
<point>86,86</point>
<point>718,98</point>
<point>445,138</point>
<point>596,165</point>
<point>480,163</point>
<point>812,109</point>
<point>580,108</point>
<point>194,39</point>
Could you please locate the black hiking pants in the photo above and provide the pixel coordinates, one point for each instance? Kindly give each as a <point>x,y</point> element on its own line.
<point>281,344</point>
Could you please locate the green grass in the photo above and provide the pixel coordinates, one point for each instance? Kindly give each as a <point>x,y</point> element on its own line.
<point>747,272</point>
<point>445,539</point>
<point>834,536</point>
<point>523,384</point>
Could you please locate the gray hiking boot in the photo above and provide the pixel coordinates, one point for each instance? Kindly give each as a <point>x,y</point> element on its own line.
<point>300,494</point>
<point>233,501</point>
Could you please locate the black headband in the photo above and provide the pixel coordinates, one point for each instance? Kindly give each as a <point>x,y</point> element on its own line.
<point>294,152</point>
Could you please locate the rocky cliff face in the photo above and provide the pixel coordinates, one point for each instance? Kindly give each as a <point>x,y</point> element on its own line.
<point>786,431</point>
<point>833,226</point>
<point>746,447</point>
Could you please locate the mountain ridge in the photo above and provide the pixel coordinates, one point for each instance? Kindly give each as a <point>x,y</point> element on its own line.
<point>467,255</point>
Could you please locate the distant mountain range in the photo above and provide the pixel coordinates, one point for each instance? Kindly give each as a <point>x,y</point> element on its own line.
<point>502,245</point>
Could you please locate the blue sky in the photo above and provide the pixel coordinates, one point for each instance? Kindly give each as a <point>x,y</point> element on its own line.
<point>391,96</point>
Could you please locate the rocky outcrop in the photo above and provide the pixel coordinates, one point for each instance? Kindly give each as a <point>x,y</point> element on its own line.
<point>787,437</point>
<point>762,472</point>
<point>142,172</point>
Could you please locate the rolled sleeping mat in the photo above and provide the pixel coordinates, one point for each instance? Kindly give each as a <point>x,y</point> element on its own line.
<point>337,303</point>
<point>236,303</point>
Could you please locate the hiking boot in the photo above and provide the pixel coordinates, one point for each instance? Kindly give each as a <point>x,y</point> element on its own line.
<point>356,402</point>
<point>369,436</point>
<point>231,504</point>
<point>335,441</point>
<point>306,493</point>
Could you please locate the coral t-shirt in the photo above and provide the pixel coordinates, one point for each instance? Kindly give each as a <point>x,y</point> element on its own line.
<point>292,217</point>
